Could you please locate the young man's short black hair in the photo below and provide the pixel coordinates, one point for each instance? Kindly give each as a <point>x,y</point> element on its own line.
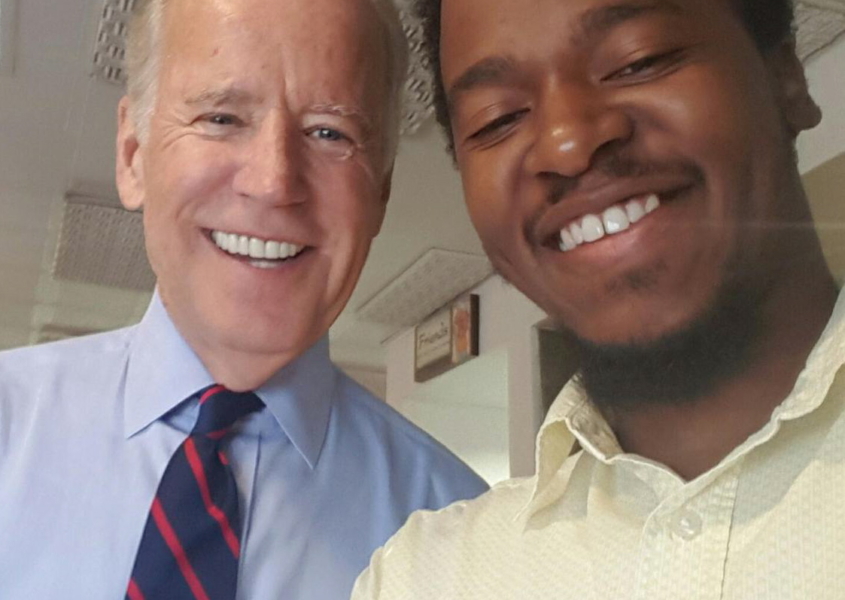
<point>768,21</point>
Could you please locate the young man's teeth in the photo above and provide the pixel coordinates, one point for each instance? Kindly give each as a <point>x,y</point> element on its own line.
<point>577,234</point>
<point>652,203</point>
<point>616,219</point>
<point>592,228</point>
<point>567,242</point>
<point>635,211</point>
<point>260,250</point>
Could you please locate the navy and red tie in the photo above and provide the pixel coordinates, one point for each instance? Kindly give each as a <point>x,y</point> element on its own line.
<point>191,542</point>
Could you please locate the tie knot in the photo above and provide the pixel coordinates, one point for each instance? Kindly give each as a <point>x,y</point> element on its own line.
<point>220,409</point>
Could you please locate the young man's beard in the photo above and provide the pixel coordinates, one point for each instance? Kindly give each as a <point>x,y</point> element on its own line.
<point>680,367</point>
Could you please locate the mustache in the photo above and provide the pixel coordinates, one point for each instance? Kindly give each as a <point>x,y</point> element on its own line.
<point>617,165</point>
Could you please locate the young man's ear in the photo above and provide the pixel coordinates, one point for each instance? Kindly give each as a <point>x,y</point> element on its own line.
<point>129,172</point>
<point>799,110</point>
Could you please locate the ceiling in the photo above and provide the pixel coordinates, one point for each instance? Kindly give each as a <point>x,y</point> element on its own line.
<point>57,129</point>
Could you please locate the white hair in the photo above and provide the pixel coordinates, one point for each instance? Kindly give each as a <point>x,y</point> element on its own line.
<point>143,61</point>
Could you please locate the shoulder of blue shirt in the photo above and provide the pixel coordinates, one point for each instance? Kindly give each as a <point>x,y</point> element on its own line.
<point>25,371</point>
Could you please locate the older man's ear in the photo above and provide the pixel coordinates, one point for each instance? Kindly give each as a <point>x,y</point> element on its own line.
<point>129,170</point>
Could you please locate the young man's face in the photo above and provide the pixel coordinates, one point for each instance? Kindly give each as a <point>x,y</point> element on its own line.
<point>623,160</point>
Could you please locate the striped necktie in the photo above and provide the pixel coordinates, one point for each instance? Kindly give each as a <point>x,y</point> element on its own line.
<point>191,542</point>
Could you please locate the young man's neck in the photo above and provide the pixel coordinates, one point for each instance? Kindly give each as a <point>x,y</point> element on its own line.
<point>693,438</point>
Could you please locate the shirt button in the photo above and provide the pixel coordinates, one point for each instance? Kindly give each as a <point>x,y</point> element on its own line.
<point>687,525</point>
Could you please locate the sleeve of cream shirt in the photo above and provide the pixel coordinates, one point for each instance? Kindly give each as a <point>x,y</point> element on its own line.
<point>459,551</point>
<point>367,586</point>
<point>391,573</point>
<point>404,568</point>
<point>422,561</point>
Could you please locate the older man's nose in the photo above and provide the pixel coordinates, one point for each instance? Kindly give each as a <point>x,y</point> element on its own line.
<point>272,169</point>
<point>573,124</point>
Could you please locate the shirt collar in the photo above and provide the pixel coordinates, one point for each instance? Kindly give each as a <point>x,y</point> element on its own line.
<point>163,371</point>
<point>300,396</point>
<point>573,417</point>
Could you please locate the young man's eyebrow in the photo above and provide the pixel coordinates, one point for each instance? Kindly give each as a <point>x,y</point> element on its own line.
<point>488,71</point>
<point>599,21</point>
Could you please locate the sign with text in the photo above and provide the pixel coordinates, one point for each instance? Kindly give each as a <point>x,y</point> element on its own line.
<point>446,339</point>
<point>434,339</point>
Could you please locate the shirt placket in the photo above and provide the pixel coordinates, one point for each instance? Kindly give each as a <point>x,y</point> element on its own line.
<point>245,457</point>
<point>684,544</point>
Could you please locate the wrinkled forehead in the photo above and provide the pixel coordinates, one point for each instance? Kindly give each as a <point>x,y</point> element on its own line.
<point>342,40</point>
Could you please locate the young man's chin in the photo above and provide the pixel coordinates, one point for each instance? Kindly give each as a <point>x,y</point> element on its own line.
<point>680,365</point>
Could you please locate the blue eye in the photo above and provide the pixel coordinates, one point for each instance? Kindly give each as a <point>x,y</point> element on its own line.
<point>329,135</point>
<point>222,119</point>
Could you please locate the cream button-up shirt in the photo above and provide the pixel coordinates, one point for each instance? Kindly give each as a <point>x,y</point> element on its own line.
<point>767,522</point>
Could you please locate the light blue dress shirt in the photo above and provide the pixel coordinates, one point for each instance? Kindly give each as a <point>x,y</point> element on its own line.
<point>326,472</point>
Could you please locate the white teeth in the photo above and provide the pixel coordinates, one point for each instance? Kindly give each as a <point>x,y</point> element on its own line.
<point>635,211</point>
<point>616,219</point>
<point>256,248</point>
<point>243,246</point>
<point>567,242</point>
<point>264,264</point>
<point>592,228</point>
<point>265,253</point>
<point>577,234</point>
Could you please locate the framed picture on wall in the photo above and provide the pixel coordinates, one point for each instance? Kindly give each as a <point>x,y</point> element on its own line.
<point>446,339</point>
<point>464,329</point>
<point>433,345</point>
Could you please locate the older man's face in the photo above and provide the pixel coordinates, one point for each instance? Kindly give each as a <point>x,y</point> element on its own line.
<point>263,178</point>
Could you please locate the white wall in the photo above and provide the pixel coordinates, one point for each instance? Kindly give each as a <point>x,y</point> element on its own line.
<point>488,410</point>
<point>467,410</point>
<point>508,320</point>
<point>373,380</point>
<point>826,76</point>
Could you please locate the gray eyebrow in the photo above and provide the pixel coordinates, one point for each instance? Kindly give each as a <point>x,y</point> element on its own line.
<point>345,110</point>
<point>217,97</point>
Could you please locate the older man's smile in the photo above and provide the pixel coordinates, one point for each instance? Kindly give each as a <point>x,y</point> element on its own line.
<point>263,253</point>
